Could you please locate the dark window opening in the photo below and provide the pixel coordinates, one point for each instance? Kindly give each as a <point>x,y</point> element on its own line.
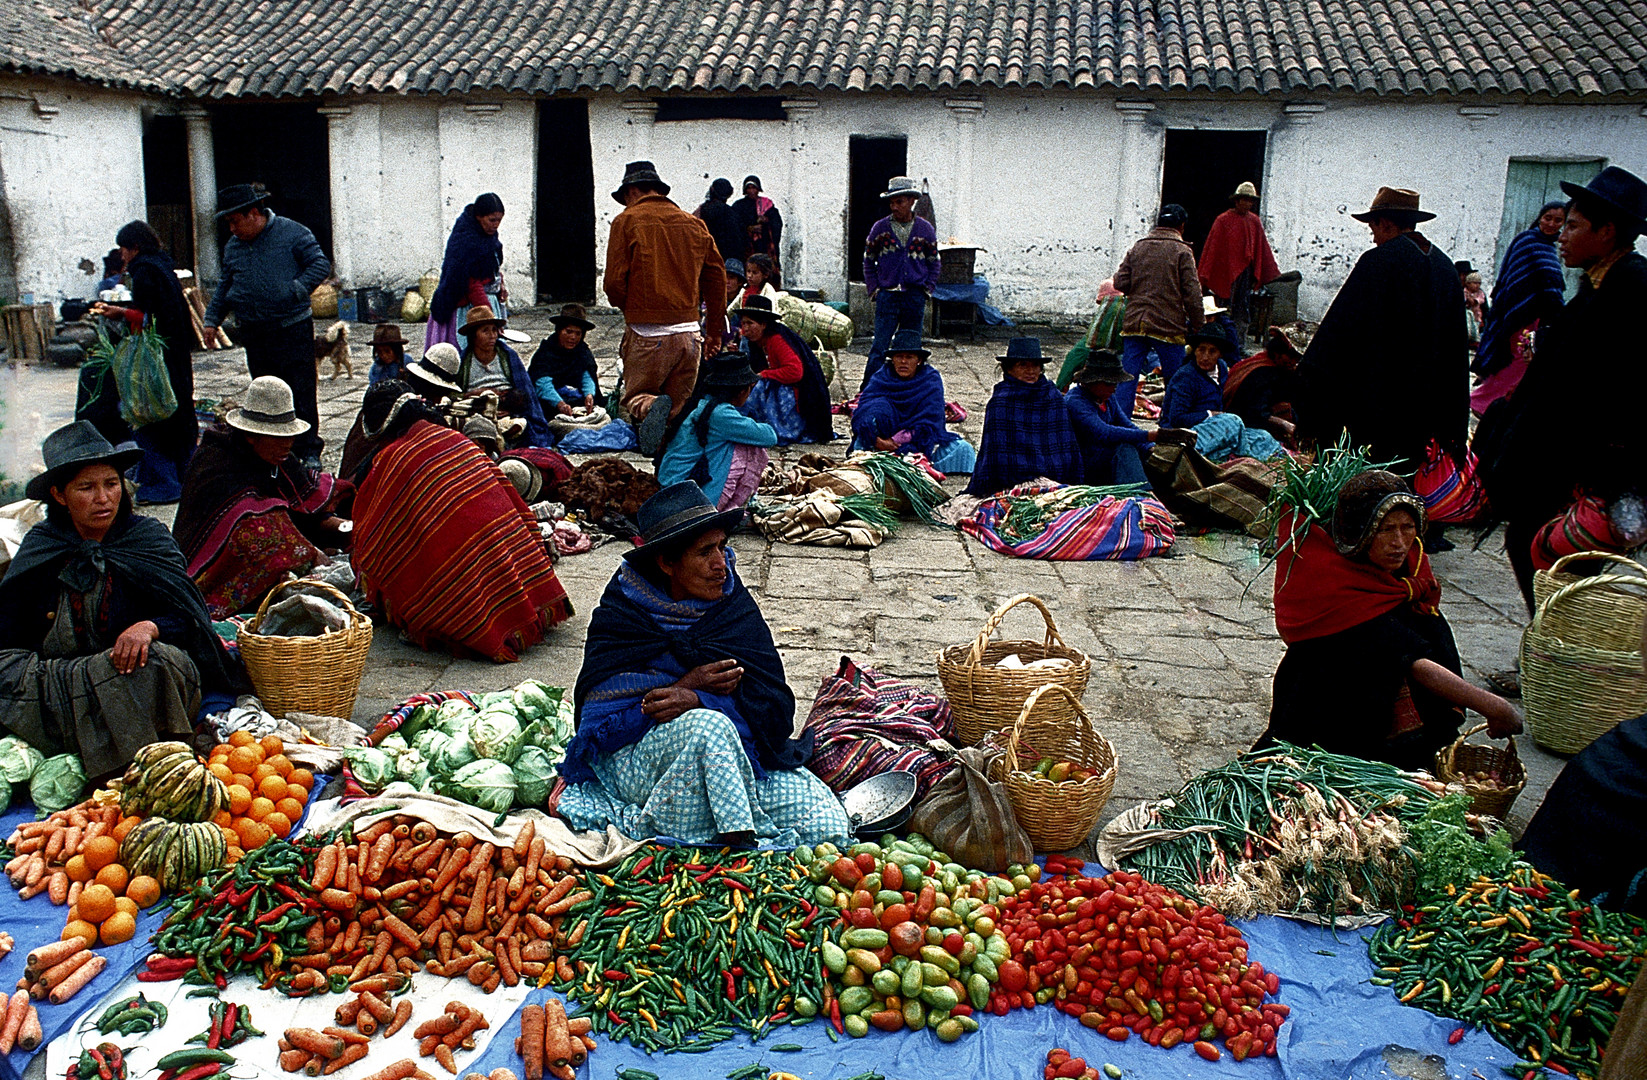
<point>565,203</point>
<point>1203,168</point>
<point>740,108</point>
<point>284,148</point>
<point>167,196</point>
<point>871,162</point>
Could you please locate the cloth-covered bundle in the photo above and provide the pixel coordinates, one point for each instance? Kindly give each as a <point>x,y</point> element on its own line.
<point>1228,496</point>
<point>1453,493</point>
<point>1585,525</point>
<point>1223,436</point>
<point>819,517</point>
<point>592,420</point>
<point>605,486</point>
<point>868,723</point>
<point>907,482</point>
<point>1074,523</point>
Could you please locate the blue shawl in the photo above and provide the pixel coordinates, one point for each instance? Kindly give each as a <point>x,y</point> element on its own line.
<point>1027,433</point>
<point>1529,287</point>
<point>889,405</point>
<point>470,255</point>
<point>639,639</point>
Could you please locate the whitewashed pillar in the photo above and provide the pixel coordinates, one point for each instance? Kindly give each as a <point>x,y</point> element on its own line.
<point>203,195</point>
<point>966,112</point>
<point>1126,219</point>
<point>342,253</point>
<point>642,114</point>
<point>799,112</point>
<point>1469,233</point>
<point>1300,118</point>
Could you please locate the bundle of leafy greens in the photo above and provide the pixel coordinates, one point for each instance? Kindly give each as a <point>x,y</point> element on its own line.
<point>1449,853</point>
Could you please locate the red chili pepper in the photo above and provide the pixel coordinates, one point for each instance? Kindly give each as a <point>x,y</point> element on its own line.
<point>214,1032</point>
<point>102,1064</point>
<point>835,1017</point>
<point>617,975</point>
<point>200,1072</point>
<point>731,987</point>
<point>156,962</point>
<point>643,864</point>
<point>1557,1067</point>
<point>230,1015</point>
<point>1589,947</point>
<point>1456,1037</point>
<point>273,913</point>
<point>735,884</point>
<point>617,1021</point>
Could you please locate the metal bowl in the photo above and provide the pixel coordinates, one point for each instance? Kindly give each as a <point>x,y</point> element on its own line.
<point>881,803</point>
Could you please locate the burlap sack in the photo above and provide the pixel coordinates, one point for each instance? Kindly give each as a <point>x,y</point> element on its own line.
<point>970,818</point>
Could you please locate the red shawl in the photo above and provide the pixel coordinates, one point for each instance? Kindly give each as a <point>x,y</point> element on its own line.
<point>1319,592</point>
<point>1236,242</point>
<point>1238,374</point>
<point>448,550</point>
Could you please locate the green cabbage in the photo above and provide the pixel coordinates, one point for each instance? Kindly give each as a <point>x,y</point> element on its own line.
<point>394,744</point>
<point>487,784</point>
<point>534,776</point>
<point>452,754</point>
<point>57,783</point>
<point>533,699</point>
<point>5,797</point>
<point>18,760</point>
<point>373,769</point>
<point>453,717</point>
<point>428,741</point>
<point>496,698</point>
<point>409,763</point>
<point>495,734</point>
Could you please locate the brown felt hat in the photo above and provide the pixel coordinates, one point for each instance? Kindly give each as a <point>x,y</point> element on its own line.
<point>1398,204</point>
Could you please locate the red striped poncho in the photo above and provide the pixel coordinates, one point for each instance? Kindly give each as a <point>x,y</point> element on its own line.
<point>448,551</point>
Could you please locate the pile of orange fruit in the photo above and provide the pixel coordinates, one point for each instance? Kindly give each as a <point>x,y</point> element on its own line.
<point>267,792</point>
<point>106,905</point>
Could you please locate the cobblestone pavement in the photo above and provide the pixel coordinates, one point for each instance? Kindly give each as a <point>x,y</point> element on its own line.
<point>1182,647</point>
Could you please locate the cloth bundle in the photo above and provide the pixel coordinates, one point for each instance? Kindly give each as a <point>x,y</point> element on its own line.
<point>816,518</point>
<point>1453,494</point>
<point>592,420</point>
<point>1222,436</point>
<point>1074,523</point>
<point>1230,496</point>
<point>868,723</point>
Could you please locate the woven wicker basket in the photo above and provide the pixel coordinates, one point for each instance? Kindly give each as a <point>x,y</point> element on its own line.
<point>1575,688</point>
<point>1057,816</point>
<point>984,697</point>
<point>1606,618</point>
<point>1457,760</point>
<point>319,675</point>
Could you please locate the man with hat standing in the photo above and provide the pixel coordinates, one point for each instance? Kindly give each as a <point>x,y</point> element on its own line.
<point>901,266</point>
<point>1112,446</point>
<point>661,267</point>
<point>1390,361</point>
<point>1163,299</point>
<point>1539,479</point>
<point>270,266</point>
<point>1237,259</point>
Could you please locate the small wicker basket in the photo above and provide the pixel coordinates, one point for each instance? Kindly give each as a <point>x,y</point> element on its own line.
<point>984,697</point>
<point>1458,760</point>
<point>1577,686</point>
<point>1057,815</point>
<point>319,675</point>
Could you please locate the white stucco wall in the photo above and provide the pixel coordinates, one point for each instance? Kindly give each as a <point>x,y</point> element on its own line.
<point>71,162</point>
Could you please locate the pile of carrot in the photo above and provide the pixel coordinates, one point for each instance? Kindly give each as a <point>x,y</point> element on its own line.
<point>21,1025</point>
<point>551,1043</point>
<point>43,849</point>
<point>56,972</point>
<point>368,1011</point>
<point>320,1053</point>
<point>451,1031</point>
<point>404,1069</point>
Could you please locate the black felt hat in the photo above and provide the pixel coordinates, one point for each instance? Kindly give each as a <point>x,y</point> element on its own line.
<point>1620,191</point>
<point>240,197</point>
<point>73,447</point>
<point>730,371</point>
<point>1103,367</point>
<point>676,515</point>
<point>908,341</point>
<point>572,315</point>
<point>760,309</point>
<point>1022,348</point>
<point>639,172</point>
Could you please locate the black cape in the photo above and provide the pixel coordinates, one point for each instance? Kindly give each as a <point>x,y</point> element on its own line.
<point>470,255</point>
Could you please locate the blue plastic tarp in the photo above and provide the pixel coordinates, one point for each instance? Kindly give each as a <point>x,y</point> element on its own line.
<point>976,294</point>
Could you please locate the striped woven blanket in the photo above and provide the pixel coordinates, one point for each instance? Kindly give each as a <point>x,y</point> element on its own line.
<point>868,723</point>
<point>1043,520</point>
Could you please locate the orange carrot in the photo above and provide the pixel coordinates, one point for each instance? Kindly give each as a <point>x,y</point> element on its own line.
<point>70,986</point>
<point>17,1010</point>
<point>47,955</point>
<point>400,1070</point>
<point>325,867</point>
<point>403,1013</point>
<point>350,1055</point>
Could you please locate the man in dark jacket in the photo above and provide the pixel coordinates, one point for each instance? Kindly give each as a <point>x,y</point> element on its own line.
<point>1390,362</point>
<point>1538,474</point>
<point>270,266</point>
<point>731,240</point>
<point>1163,294</point>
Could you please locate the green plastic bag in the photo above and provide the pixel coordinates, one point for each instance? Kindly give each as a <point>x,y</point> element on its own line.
<point>138,362</point>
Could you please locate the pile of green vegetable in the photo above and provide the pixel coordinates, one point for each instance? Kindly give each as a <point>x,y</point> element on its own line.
<point>54,783</point>
<point>498,753</point>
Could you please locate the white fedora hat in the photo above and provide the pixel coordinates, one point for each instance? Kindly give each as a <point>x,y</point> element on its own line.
<point>268,409</point>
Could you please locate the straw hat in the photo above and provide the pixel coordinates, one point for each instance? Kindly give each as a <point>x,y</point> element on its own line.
<point>268,410</point>
<point>439,366</point>
<point>525,477</point>
<point>1244,190</point>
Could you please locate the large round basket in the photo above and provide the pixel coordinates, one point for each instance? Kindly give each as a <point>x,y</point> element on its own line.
<point>1577,687</point>
<point>985,697</point>
<point>1460,760</point>
<point>1607,618</point>
<point>1057,815</point>
<point>319,675</point>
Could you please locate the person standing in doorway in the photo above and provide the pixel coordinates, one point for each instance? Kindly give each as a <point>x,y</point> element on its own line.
<point>901,268</point>
<point>730,238</point>
<point>1236,259</point>
<point>270,266</point>
<point>1163,292</point>
<point>760,221</point>
<point>661,265</point>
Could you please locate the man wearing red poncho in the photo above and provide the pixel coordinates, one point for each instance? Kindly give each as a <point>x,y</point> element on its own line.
<point>1236,258</point>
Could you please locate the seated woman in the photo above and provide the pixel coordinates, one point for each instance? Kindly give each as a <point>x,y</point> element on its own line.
<point>792,395</point>
<point>388,353</point>
<point>1261,388</point>
<point>684,720</point>
<point>735,282</point>
<point>1371,668</point>
<point>1111,444</point>
<point>1027,433</point>
<point>563,369</point>
<point>1196,389</point>
<point>901,409</point>
<point>106,645</point>
<point>251,513</point>
<point>444,545</point>
<point>489,366</point>
<point>716,446</point>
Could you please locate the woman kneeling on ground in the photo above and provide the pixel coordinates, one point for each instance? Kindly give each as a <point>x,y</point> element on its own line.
<point>106,645</point>
<point>901,409</point>
<point>684,720</point>
<point>792,395</point>
<point>444,544</point>
<point>1371,667</point>
<point>715,445</point>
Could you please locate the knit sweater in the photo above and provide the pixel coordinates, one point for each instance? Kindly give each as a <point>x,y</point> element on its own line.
<point>1192,396</point>
<point>889,264</point>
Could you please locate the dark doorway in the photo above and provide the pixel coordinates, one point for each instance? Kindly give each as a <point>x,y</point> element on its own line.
<point>166,186</point>
<point>282,147</point>
<point>871,162</point>
<point>566,203</point>
<point>1203,168</point>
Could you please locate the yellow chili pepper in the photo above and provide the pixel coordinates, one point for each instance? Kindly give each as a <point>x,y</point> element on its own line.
<point>623,938</point>
<point>1494,968</point>
<point>1418,988</point>
<point>651,1022</point>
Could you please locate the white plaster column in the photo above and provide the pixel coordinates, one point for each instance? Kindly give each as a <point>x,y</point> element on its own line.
<point>1127,203</point>
<point>799,112</point>
<point>642,114</point>
<point>203,195</point>
<point>342,253</point>
<point>966,111</point>
<point>1469,233</point>
<point>1300,117</point>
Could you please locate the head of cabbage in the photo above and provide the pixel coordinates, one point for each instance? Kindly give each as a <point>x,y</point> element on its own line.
<point>534,776</point>
<point>495,733</point>
<point>57,783</point>
<point>453,717</point>
<point>373,769</point>
<point>18,760</point>
<point>487,784</point>
<point>445,754</point>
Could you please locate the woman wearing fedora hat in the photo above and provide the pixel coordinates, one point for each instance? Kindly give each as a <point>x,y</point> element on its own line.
<point>388,353</point>
<point>563,369</point>
<point>489,365</point>
<point>106,645</point>
<point>1027,432</point>
<point>792,395</point>
<point>251,514</point>
<point>901,409</point>
<point>716,445</point>
<point>444,544</point>
<point>471,271</point>
<point>684,718</point>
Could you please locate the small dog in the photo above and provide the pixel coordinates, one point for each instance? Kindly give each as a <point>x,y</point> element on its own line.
<point>333,345</point>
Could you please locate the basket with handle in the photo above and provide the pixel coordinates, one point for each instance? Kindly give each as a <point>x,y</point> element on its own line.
<point>985,697</point>
<point>1460,761</point>
<point>319,675</point>
<point>1577,687</point>
<point>1057,814</point>
<point>1609,617</point>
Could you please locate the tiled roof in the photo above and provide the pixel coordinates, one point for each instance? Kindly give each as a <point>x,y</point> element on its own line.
<point>275,48</point>
<point>62,38</point>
